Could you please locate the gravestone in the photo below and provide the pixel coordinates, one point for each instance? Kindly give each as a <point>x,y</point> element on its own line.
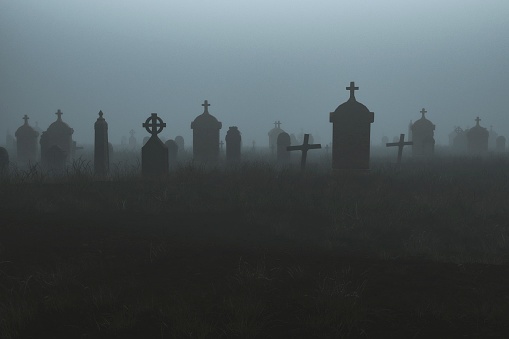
<point>132,140</point>
<point>145,140</point>
<point>293,139</point>
<point>351,126</point>
<point>233,144</point>
<point>206,136</point>
<point>101,146</point>
<point>273,134</point>
<point>500,144</point>
<point>26,142</point>
<point>283,141</point>
<point>492,139</point>
<point>423,137</point>
<point>180,143</point>
<point>477,139</point>
<point>304,148</point>
<point>154,154</point>
<point>4,160</point>
<point>173,150</point>
<point>460,140</point>
<point>58,134</point>
<point>401,143</point>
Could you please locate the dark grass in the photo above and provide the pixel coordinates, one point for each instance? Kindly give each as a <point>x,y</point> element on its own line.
<point>256,250</point>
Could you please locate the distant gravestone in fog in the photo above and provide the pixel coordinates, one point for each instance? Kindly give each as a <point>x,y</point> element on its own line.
<point>180,142</point>
<point>26,142</point>
<point>500,144</point>
<point>423,137</point>
<point>233,144</point>
<point>401,143</point>
<point>293,139</point>
<point>154,154</point>
<point>351,128</point>
<point>4,159</point>
<point>101,146</point>
<point>459,143</point>
<point>492,139</point>
<point>132,140</point>
<point>477,139</point>
<point>273,134</point>
<point>206,135</point>
<point>283,141</point>
<point>304,148</point>
<point>173,150</point>
<point>58,134</point>
<point>384,140</point>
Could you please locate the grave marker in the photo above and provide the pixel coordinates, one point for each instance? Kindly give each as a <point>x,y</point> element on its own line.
<point>101,146</point>
<point>400,145</point>
<point>233,144</point>
<point>283,141</point>
<point>304,148</point>
<point>26,142</point>
<point>154,154</point>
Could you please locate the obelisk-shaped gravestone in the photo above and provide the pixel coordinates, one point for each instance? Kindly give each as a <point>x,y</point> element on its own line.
<point>101,146</point>
<point>233,143</point>
<point>154,154</point>
<point>26,141</point>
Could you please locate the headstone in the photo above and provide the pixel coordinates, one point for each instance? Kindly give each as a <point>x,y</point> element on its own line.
<point>283,141</point>
<point>400,145</point>
<point>452,135</point>
<point>145,140</point>
<point>58,134</point>
<point>477,139</point>
<point>500,144</point>
<point>4,160</point>
<point>351,126</point>
<point>273,134</point>
<point>293,139</point>
<point>459,143</point>
<point>180,142</point>
<point>132,140</point>
<point>154,154</point>
<point>206,135</point>
<point>423,137</point>
<point>492,139</point>
<point>101,146</point>
<point>304,148</point>
<point>233,144</point>
<point>26,142</point>
<point>173,150</point>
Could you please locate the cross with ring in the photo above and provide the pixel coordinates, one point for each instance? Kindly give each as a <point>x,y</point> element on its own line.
<point>154,125</point>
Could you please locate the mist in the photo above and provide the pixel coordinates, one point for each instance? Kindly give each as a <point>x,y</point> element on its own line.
<point>255,62</point>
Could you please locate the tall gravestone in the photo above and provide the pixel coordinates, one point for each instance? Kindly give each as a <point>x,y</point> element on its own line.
<point>4,160</point>
<point>423,136</point>
<point>180,143</point>
<point>351,126</point>
<point>283,142</point>
<point>477,139</point>
<point>56,143</point>
<point>173,150</point>
<point>26,142</point>
<point>154,154</point>
<point>273,134</point>
<point>233,144</point>
<point>206,135</point>
<point>101,146</point>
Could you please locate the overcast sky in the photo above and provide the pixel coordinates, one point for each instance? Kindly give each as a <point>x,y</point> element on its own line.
<point>255,61</point>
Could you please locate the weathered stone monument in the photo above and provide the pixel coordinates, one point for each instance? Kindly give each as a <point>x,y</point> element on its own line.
<point>206,136</point>
<point>500,144</point>
<point>57,144</point>
<point>26,142</point>
<point>423,137</point>
<point>273,134</point>
<point>351,126</point>
<point>233,144</point>
<point>4,160</point>
<point>101,146</point>
<point>459,143</point>
<point>477,139</point>
<point>180,142</point>
<point>154,154</point>
<point>304,148</point>
<point>283,141</point>
<point>173,150</point>
<point>401,143</point>
<point>132,140</point>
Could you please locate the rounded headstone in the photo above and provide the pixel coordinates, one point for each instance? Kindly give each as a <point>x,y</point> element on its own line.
<point>233,144</point>
<point>283,141</point>
<point>173,149</point>
<point>180,142</point>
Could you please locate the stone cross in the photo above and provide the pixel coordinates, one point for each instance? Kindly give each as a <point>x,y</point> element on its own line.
<point>423,111</point>
<point>59,113</point>
<point>154,125</point>
<point>400,145</point>
<point>206,105</point>
<point>277,124</point>
<point>305,147</point>
<point>352,89</point>
<point>458,130</point>
<point>477,120</point>
<point>26,119</point>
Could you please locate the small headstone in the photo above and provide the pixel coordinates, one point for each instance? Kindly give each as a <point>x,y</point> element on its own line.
<point>173,150</point>
<point>477,139</point>
<point>293,139</point>
<point>58,134</point>
<point>4,159</point>
<point>459,143</point>
<point>500,144</point>
<point>423,137</point>
<point>132,140</point>
<point>101,146</point>
<point>26,142</point>
<point>273,134</point>
<point>154,154</point>
<point>400,145</point>
<point>233,144</point>
<point>304,148</point>
<point>180,142</point>
<point>283,141</point>
<point>206,135</point>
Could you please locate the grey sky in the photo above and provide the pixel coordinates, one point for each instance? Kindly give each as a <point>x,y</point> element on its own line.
<point>255,61</point>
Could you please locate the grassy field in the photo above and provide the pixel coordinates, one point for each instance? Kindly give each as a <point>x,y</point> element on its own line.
<point>257,251</point>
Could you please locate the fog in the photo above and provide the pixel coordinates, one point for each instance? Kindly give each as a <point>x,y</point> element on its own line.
<point>255,62</point>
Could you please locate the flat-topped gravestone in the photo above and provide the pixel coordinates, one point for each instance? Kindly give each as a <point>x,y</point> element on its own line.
<point>423,136</point>
<point>26,142</point>
<point>173,150</point>
<point>304,148</point>
<point>206,136</point>
<point>477,139</point>
<point>351,128</point>
<point>154,154</point>
<point>101,146</point>
<point>58,134</point>
<point>233,144</point>
<point>400,144</point>
<point>180,142</point>
<point>283,141</point>
<point>4,160</point>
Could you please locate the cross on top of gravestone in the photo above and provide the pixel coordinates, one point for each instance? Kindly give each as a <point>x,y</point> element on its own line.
<point>352,89</point>
<point>305,147</point>
<point>101,114</point>
<point>59,114</point>
<point>401,143</point>
<point>26,119</point>
<point>423,111</point>
<point>154,125</point>
<point>277,124</point>
<point>477,121</point>
<point>206,105</point>
<point>458,130</point>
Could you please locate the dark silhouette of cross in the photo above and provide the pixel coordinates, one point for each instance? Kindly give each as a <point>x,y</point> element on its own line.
<point>26,119</point>
<point>458,130</point>
<point>423,111</point>
<point>59,113</point>
<point>477,120</point>
<point>277,124</point>
<point>352,89</point>
<point>401,143</point>
<point>206,105</point>
<point>305,147</point>
<point>154,125</point>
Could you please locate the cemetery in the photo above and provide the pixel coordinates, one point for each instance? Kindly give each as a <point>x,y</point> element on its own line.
<point>224,237</point>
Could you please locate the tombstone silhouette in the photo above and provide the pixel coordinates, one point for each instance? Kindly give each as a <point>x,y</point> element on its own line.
<point>180,142</point>
<point>401,143</point>
<point>304,148</point>
<point>206,135</point>
<point>477,139</point>
<point>351,126</point>
<point>233,144</point>
<point>173,150</point>
<point>423,136</point>
<point>500,144</point>
<point>101,146</point>
<point>154,154</point>
<point>273,134</point>
<point>459,142</point>
<point>283,141</point>
<point>26,142</point>
<point>4,159</point>
<point>58,134</point>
